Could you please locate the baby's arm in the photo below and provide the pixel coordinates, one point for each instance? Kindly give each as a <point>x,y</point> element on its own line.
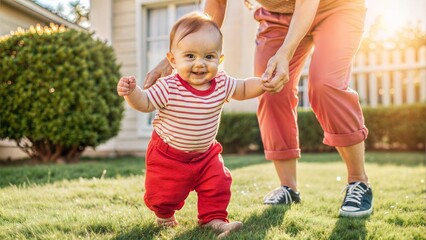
<point>248,88</point>
<point>134,95</point>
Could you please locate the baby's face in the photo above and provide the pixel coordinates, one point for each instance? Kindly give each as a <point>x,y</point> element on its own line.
<point>197,57</point>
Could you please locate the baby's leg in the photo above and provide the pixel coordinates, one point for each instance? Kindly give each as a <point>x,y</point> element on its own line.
<point>167,185</point>
<point>223,227</point>
<point>167,222</point>
<point>213,188</point>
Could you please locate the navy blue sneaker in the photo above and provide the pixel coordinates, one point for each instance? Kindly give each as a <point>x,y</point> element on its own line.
<point>358,201</point>
<point>282,195</point>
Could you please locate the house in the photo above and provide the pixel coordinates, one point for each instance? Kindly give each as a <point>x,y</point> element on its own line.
<point>138,32</point>
<point>24,13</point>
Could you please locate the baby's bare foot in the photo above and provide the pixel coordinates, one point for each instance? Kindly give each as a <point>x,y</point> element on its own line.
<point>167,222</point>
<point>223,227</point>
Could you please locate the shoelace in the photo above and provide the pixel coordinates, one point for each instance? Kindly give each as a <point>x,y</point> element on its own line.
<point>278,194</point>
<point>355,192</point>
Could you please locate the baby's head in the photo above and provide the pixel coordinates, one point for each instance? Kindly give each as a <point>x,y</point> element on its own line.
<point>191,23</point>
<point>195,49</point>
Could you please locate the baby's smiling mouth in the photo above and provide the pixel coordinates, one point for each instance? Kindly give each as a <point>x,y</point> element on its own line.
<point>199,73</point>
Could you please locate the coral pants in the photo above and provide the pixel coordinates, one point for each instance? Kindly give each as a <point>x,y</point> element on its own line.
<point>172,174</point>
<point>335,35</point>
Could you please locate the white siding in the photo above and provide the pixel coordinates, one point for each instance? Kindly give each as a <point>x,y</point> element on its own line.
<point>124,43</point>
<point>11,19</point>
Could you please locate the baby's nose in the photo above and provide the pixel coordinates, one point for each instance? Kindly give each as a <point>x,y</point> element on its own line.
<point>200,62</point>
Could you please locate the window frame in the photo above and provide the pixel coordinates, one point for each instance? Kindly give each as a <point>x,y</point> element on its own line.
<point>142,40</point>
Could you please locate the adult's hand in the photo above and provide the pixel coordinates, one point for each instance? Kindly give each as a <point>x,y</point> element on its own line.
<point>276,74</point>
<point>162,69</point>
<point>277,71</point>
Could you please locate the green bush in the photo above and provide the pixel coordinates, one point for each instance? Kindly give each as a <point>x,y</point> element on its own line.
<point>57,92</point>
<point>239,133</point>
<point>396,127</point>
<point>390,128</point>
<point>310,133</point>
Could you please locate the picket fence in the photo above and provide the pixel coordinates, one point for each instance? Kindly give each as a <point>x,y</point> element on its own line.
<point>383,78</point>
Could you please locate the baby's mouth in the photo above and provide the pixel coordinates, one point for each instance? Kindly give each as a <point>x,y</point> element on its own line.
<point>199,73</point>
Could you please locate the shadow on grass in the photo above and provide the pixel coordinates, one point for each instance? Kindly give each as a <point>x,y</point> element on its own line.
<point>148,232</point>
<point>255,227</point>
<point>197,233</point>
<point>25,175</point>
<point>349,228</point>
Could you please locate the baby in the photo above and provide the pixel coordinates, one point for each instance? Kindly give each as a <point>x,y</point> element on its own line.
<point>183,154</point>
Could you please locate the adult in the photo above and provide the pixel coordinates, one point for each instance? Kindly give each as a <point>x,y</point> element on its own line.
<point>288,31</point>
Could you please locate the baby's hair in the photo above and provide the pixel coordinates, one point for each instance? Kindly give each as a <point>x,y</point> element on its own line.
<point>192,22</point>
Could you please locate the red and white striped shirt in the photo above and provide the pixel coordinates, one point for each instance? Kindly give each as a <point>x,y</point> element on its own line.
<point>187,118</point>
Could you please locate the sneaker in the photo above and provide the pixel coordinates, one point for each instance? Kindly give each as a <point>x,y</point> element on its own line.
<point>358,201</point>
<point>282,195</point>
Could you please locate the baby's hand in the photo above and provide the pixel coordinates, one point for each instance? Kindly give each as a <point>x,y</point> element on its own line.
<point>126,85</point>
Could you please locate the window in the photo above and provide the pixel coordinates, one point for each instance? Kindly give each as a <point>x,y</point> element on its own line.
<point>157,20</point>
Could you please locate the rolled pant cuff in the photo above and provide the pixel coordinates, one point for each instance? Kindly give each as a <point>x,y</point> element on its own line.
<point>345,140</point>
<point>282,155</point>
<point>169,215</point>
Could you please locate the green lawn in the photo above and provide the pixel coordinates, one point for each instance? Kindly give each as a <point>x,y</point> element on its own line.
<point>102,199</point>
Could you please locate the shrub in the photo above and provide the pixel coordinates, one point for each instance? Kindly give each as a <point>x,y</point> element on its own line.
<point>57,92</point>
<point>239,133</point>
<point>390,128</point>
<point>310,132</point>
<point>396,127</point>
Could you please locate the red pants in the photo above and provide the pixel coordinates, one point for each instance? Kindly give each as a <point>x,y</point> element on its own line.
<point>335,34</point>
<point>172,174</point>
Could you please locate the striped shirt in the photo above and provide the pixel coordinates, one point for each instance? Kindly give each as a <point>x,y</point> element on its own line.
<point>187,118</point>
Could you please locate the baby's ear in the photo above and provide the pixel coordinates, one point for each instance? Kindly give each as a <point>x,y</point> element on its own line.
<point>171,59</point>
<point>221,58</point>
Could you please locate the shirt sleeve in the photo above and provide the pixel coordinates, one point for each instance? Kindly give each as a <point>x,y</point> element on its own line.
<point>158,93</point>
<point>230,86</point>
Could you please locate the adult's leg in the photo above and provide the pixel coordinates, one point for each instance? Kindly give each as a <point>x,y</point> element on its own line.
<point>287,172</point>
<point>336,39</point>
<point>354,159</point>
<point>277,113</point>
<point>337,35</point>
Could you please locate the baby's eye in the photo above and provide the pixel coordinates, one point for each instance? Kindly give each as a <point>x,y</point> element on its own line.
<point>210,56</point>
<point>190,56</point>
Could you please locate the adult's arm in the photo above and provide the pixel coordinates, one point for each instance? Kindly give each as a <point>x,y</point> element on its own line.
<point>277,70</point>
<point>216,9</point>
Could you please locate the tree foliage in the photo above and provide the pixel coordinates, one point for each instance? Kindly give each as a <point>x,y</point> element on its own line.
<point>74,11</point>
<point>57,92</point>
<point>379,36</point>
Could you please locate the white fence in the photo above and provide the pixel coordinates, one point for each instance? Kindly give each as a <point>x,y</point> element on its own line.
<point>383,78</point>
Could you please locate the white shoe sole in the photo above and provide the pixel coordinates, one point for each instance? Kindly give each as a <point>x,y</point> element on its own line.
<point>355,214</point>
